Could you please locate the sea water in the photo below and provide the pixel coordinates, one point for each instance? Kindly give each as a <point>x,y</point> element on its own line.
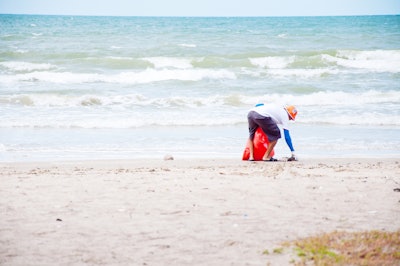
<point>75,87</point>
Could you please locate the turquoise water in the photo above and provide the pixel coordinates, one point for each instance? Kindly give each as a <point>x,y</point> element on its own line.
<point>129,87</point>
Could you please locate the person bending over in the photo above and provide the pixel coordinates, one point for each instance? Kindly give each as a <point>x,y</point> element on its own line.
<point>268,117</point>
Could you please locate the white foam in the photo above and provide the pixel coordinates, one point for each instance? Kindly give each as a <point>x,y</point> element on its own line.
<point>301,72</point>
<point>188,45</point>
<point>26,66</point>
<point>110,111</point>
<point>325,99</point>
<point>272,62</point>
<point>141,77</point>
<point>119,58</point>
<point>328,98</point>
<point>123,101</point>
<point>120,121</point>
<point>372,108</point>
<point>203,118</point>
<point>355,117</point>
<point>376,60</point>
<point>21,51</point>
<point>172,62</point>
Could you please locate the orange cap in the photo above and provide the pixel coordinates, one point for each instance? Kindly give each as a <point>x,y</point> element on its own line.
<point>292,111</point>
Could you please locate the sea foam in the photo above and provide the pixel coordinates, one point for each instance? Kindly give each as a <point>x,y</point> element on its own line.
<point>139,77</point>
<point>165,62</point>
<point>376,60</point>
<point>26,66</point>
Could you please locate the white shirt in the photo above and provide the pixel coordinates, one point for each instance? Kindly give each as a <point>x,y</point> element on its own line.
<point>277,113</point>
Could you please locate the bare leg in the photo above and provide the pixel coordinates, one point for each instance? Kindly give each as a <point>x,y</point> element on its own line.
<point>270,148</point>
<point>251,148</point>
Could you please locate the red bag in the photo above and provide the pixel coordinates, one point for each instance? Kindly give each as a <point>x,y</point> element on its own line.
<point>260,144</point>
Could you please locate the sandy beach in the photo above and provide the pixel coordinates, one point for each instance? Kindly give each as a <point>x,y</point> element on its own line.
<point>186,211</point>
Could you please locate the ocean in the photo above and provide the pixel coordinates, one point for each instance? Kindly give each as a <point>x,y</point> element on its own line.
<point>80,88</point>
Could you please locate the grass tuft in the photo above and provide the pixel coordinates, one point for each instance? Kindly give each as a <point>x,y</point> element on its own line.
<point>345,248</point>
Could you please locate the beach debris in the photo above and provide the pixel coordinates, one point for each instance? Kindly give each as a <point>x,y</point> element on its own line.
<point>58,220</point>
<point>396,190</point>
<point>168,157</point>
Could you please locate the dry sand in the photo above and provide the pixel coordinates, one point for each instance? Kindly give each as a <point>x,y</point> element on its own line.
<point>186,212</point>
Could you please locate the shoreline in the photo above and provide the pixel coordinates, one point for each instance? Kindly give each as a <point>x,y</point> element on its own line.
<point>186,211</point>
<point>178,157</point>
<point>184,161</point>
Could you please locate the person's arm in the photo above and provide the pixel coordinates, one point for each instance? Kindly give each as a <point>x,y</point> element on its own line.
<point>288,140</point>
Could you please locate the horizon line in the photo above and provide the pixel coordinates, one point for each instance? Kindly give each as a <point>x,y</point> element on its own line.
<point>199,16</point>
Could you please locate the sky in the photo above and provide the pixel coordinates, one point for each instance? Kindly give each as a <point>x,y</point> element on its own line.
<point>201,7</point>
